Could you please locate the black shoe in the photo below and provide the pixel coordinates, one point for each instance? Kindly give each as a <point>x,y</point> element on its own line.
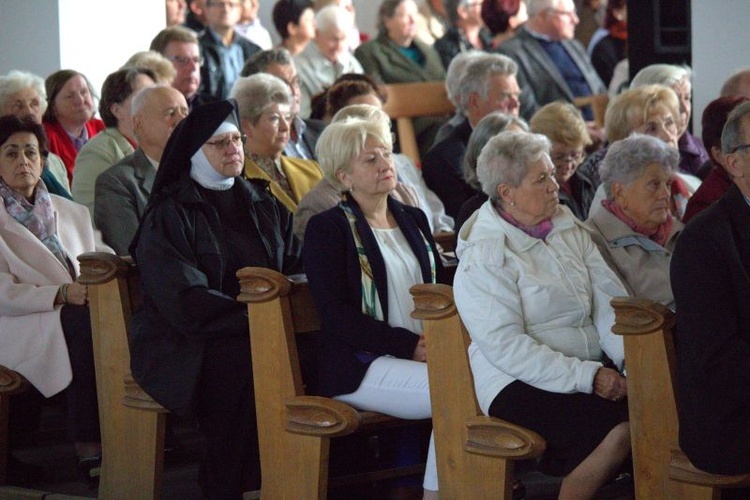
<point>23,473</point>
<point>89,468</point>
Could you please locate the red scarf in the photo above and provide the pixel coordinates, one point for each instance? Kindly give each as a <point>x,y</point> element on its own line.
<point>659,235</point>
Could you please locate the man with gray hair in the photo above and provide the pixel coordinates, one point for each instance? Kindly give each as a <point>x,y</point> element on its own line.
<point>327,56</point>
<point>452,79</point>
<point>552,66</point>
<point>303,135</point>
<point>488,84</point>
<point>121,192</point>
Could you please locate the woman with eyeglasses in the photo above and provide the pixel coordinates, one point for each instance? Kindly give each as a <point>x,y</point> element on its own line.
<point>265,106</point>
<point>563,125</point>
<point>190,348</point>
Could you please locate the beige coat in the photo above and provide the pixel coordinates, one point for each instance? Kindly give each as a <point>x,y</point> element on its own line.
<point>31,336</point>
<point>642,264</point>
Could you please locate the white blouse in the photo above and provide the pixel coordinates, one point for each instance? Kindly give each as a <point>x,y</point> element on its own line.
<point>403,271</point>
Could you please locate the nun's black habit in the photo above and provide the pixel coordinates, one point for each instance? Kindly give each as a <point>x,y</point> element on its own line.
<point>189,347</point>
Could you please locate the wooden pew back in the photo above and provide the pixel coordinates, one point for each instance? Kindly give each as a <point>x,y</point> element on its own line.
<point>407,101</point>
<point>661,469</point>
<point>475,453</point>
<point>294,429</point>
<point>132,424</point>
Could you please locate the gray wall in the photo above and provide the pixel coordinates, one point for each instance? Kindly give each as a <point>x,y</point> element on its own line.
<point>721,38</point>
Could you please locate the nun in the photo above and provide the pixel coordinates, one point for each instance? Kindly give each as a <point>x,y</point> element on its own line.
<point>190,348</point>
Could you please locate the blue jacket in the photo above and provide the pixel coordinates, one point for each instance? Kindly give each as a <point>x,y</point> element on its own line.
<point>334,274</point>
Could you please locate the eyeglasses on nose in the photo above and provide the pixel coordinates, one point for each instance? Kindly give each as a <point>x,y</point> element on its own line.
<point>562,159</point>
<point>184,61</point>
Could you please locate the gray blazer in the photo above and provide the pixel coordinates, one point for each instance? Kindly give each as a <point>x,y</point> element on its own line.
<point>540,81</point>
<point>120,199</point>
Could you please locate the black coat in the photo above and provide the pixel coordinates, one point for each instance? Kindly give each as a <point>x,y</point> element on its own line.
<point>441,169</point>
<point>710,274</point>
<point>180,256</point>
<point>212,76</point>
<point>334,274</point>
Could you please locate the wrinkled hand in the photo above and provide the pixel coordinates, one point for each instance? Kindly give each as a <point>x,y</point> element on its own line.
<point>420,352</point>
<point>77,294</point>
<point>609,384</point>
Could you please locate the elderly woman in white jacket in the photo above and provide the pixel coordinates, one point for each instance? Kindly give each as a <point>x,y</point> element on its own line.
<point>534,292</point>
<point>45,330</point>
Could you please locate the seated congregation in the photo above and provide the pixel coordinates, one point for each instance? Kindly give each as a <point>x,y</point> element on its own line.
<point>217,152</point>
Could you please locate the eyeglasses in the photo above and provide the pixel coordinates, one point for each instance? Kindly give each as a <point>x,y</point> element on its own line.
<point>571,14</point>
<point>562,159</point>
<point>184,61</point>
<point>235,140</point>
<point>741,147</point>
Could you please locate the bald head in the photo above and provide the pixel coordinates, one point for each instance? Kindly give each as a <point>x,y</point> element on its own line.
<point>737,85</point>
<point>156,112</point>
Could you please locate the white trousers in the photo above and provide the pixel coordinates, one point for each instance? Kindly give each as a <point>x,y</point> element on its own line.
<point>400,388</point>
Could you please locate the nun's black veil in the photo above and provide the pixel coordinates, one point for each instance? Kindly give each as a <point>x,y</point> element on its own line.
<point>189,136</point>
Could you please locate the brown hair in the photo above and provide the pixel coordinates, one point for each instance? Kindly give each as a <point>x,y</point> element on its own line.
<point>54,84</point>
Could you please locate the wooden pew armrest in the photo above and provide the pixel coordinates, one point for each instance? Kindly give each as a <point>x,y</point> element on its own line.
<point>137,398</point>
<point>683,471</point>
<point>11,382</point>
<point>319,416</point>
<point>494,437</point>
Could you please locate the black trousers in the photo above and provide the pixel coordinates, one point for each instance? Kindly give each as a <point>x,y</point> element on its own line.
<point>83,412</point>
<point>226,417</point>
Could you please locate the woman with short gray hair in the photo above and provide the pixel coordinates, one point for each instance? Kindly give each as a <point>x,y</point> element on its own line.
<point>265,105</point>
<point>534,292</point>
<point>488,127</point>
<point>634,227</point>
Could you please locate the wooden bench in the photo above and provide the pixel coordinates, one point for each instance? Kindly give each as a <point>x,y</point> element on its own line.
<point>132,424</point>
<point>294,429</point>
<point>598,103</point>
<point>11,383</point>
<point>661,469</point>
<point>407,101</point>
<point>475,453</point>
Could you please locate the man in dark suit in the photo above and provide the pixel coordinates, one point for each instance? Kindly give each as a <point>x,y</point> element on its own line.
<point>488,84</point>
<point>304,133</point>
<point>710,275</point>
<point>223,49</point>
<point>552,66</point>
<point>122,191</point>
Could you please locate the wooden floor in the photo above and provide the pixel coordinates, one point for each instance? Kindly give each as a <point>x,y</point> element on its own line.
<point>50,450</point>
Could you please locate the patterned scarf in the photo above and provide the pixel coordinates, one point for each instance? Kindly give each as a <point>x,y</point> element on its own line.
<point>38,217</point>
<point>659,235</point>
<point>370,296</point>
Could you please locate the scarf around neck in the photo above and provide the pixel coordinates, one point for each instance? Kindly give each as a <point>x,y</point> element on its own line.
<point>659,235</point>
<point>539,231</point>
<point>370,295</point>
<point>38,217</point>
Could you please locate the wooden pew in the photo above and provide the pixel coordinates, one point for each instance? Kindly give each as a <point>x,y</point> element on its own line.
<point>407,101</point>
<point>598,103</point>
<point>294,429</point>
<point>475,453</point>
<point>11,382</point>
<point>132,424</point>
<point>661,469</point>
